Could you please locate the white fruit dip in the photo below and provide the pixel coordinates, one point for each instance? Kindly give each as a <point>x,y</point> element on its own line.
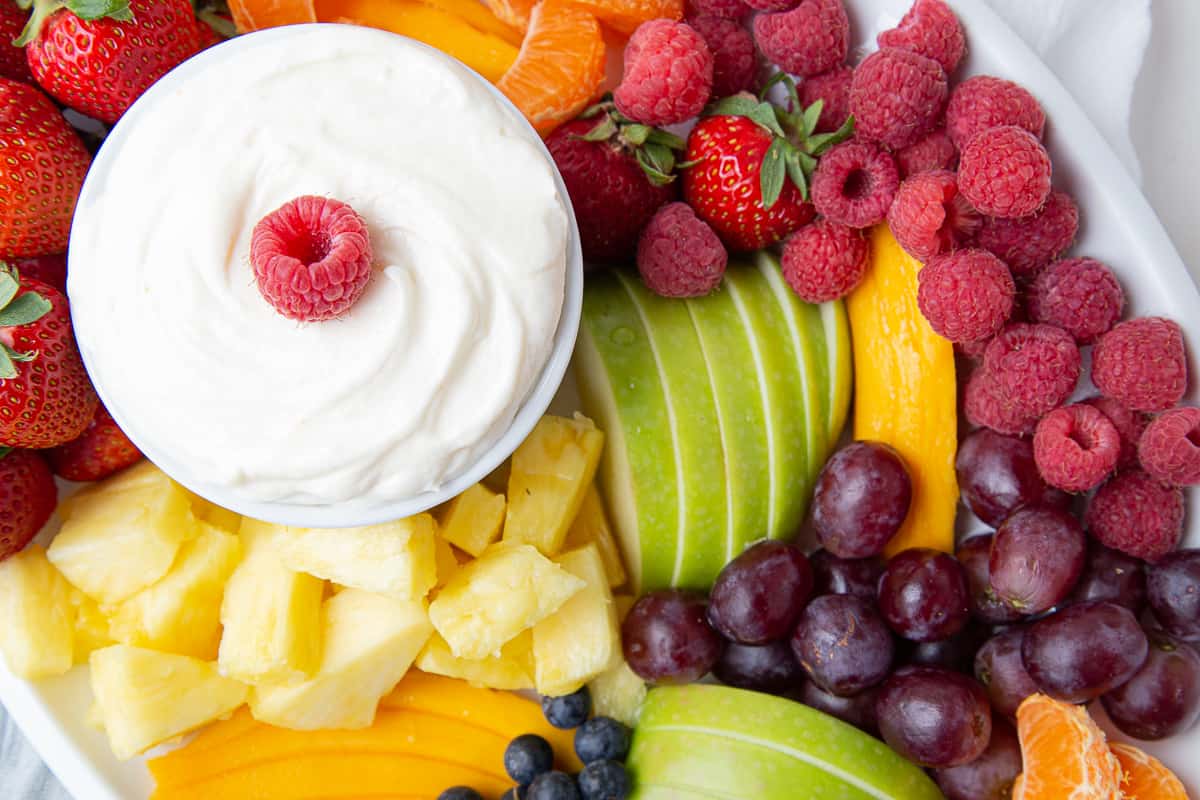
<point>425,372</point>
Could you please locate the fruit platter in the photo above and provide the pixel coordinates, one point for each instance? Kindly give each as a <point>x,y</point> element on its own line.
<point>585,400</point>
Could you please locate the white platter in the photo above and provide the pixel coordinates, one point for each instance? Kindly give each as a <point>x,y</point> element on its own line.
<point>1118,226</point>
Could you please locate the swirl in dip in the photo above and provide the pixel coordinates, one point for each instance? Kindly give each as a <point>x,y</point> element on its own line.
<point>424,373</point>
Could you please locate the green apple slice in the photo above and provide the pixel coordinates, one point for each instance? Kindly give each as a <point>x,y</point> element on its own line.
<point>668,791</point>
<point>621,390</point>
<point>782,397</point>
<point>695,435</point>
<point>779,726</point>
<point>840,357</point>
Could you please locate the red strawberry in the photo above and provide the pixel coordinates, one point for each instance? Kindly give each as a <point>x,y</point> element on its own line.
<point>42,166</point>
<point>27,498</point>
<point>50,269</point>
<point>13,64</point>
<point>617,174</point>
<point>46,398</point>
<point>98,57</point>
<point>102,450</point>
<point>748,168</point>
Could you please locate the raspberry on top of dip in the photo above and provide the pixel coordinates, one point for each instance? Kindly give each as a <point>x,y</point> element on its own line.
<point>415,381</point>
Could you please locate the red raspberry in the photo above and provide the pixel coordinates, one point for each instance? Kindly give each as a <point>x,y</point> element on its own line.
<point>679,255</point>
<point>311,258</point>
<point>966,295</point>
<point>1028,244</point>
<point>1129,424</point>
<point>727,9</point>
<point>929,216</point>
<point>896,96</point>
<point>668,75</point>
<point>1035,366</point>
<point>1142,363</point>
<point>1169,450</point>
<point>1137,515</point>
<point>1076,447</point>
<point>984,102</point>
<point>833,89</point>
<point>930,29</point>
<point>932,152</point>
<point>772,5</point>
<point>735,62</point>
<point>1005,172</point>
<point>986,406</point>
<point>1079,295</point>
<point>824,261</point>
<point>812,38</point>
<point>854,184</point>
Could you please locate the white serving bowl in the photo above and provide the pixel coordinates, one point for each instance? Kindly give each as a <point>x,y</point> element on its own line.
<point>351,513</point>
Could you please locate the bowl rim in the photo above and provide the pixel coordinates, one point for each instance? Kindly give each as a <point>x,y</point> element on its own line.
<point>349,513</point>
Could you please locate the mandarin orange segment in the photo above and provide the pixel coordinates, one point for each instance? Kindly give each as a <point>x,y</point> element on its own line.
<point>1065,754</point>
<point>1144,777</point>
<point>626,15</point>
<point>253,15</point>
<point>513,12</point>
<point>560,67</point>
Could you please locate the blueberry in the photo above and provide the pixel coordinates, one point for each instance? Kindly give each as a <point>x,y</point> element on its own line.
<point>604,780</point>
<point>460,793</point>
<point>528,756</point>
<point>568,711</point>
<point>601,738</point>
<point>553,786</point>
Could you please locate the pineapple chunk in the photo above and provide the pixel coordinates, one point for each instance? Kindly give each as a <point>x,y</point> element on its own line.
<point>147,697</point>
<point>213,514</point>
<point>447,561</point>
<point>619,692</point>
<point>581,639</point>
<point>271,617</point>
<point>37,633</point>
<point>511,670</point>
<point>492,599</point>
<point>472,521</point>
<point>182,612</point>
<point>551,472</point>
<point>122,535</point>
<point>396,558</point>
<point>370,642</point>
<point>91,626</point>
<point>591,526</point>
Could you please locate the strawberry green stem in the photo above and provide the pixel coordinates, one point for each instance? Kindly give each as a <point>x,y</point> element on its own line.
<point>84,9</point>
<point>14,312</point>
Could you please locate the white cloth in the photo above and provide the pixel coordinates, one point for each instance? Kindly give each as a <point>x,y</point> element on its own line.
<point>1094,46</point>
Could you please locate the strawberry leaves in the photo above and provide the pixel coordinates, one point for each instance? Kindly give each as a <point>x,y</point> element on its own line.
<point>653,148</point>
<point>84,9</point>
<point>16,311</point>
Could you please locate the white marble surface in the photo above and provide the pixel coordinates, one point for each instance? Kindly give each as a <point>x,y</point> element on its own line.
<point>1166,116</point>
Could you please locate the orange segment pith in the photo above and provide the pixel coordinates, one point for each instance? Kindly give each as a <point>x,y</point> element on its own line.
<point>626,15</point>
<point>560,67</point>
<point>253,15</point>
<point>1144,777</point>
<point>1065,754</point>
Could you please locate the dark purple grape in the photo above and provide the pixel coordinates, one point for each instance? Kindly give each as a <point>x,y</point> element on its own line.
<point>1037,557</point>
<point>1173,588</point>
<point>989,777</point>
<point>973,554</point>
<point>1081,652</point>
<point>1163,697</point>
<point>857,710</point>
<point>759,595</point>
<point>956,652</point>
<point>843,644</point>
<point>861,499</point>
<point>666,637</point>
<point>1111,575</point>
<point>770,668</point>
<point>933,716</point>
<point>1001,670</point>
<point>857,576</point>
<point>997,476</point>
<point>923,595</point>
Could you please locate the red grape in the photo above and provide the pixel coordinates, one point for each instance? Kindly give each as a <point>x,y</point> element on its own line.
<point>989,777</point>
<point>1163,697</point>
<point>857,576</point>
<point>759,595</point>
<point>843,644</point>
<point>857,710</point>
<point>997,476</point>
<point>1111,575</point>
<point>1173,588</point>
<point>973,554</point>
<point>933,716</point>
<point>923,595</point>
<point>956,652</point>
<point>1081,652</point>
<point>770,668</point>
<point>666,638</point>
<point>861,499</point>
<point>1001,670</point>
<point>1037,556</point>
